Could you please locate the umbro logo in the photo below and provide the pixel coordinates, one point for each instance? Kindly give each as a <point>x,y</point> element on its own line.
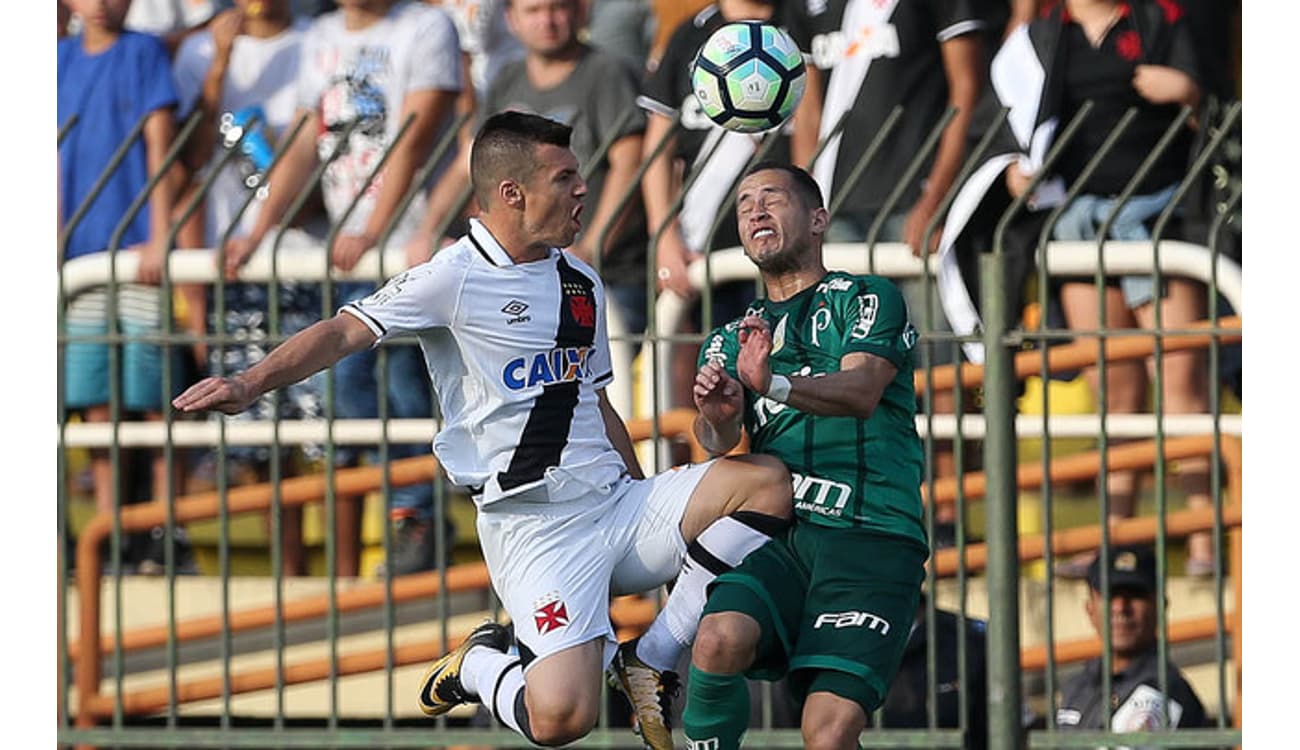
<point>515,309</point>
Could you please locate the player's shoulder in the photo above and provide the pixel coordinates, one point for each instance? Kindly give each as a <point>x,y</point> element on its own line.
<point>844,284</point>
<point>720,343</point>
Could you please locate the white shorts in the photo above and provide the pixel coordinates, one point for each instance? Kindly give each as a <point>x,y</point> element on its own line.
<point>556,565</point>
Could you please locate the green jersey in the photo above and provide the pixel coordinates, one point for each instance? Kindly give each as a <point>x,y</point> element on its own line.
<point>848,472</point>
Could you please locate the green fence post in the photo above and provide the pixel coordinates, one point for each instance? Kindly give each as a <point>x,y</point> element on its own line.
<point>1001,528</point>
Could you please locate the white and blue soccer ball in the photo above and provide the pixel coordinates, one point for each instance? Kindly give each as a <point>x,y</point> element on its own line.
<point>749,76</point>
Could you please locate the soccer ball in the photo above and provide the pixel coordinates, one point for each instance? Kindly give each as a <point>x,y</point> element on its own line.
<point>749,76</point>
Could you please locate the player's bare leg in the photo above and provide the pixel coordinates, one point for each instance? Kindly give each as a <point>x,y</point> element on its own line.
<point>559,702</point>
<point>831,722</point>
<point>739,505</point>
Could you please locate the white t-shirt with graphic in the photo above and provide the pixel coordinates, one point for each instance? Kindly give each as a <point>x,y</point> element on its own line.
<point>364,75</point>
<point>261,72</point>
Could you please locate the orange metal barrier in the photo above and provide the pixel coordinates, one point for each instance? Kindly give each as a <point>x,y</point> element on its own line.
<point>630,614</point>
<point>1139,455</point>
<point>1079,354</point>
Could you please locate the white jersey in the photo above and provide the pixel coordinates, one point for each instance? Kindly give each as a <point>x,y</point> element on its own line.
<point>516,353</point>
<point>363,76</point>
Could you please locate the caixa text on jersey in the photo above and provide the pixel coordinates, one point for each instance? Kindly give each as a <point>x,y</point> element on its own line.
<point>563,364</point>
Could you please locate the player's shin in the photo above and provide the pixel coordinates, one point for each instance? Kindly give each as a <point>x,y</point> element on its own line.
<point>719,548</point>
<point>506,700</point>
<point>717,710</point>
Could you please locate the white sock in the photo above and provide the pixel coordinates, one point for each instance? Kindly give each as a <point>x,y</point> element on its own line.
<point>482,669</point>
<point>719,548</point>
<point>504,700</point>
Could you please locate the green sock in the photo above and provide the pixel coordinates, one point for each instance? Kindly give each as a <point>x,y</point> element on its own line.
<point>717,710</point>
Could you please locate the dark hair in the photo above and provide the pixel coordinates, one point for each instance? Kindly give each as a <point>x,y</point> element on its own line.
<point>804,184</point>
<point>504,149</point>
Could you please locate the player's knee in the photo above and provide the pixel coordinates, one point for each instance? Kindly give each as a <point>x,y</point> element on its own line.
<point>831,733</point>
<point>554,724</point>
<point>724,643</point>
<point>770,486</point>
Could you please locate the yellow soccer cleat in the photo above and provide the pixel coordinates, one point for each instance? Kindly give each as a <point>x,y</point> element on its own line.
<point>440,688</point>
<point>649,691</point>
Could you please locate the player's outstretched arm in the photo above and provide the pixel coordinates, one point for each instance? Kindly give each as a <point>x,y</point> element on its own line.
<point>306,352</point>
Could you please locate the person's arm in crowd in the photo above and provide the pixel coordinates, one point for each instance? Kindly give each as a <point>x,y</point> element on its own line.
<point>430,107</point>
<point>284,182</point>
<point>803,140</point>
<point>447,189</point>
<point>307,352</point>
<point>1022,11</point>
<point>616,430</point>
<point>624,157</point>
<point>1161,84</point>
<point>159,131</point>
<point>962,63</point>
<point>659,185</point>
<point>225,27</point>
<point>854,391</point>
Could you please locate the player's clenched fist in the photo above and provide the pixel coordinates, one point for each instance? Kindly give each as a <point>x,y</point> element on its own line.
<point>718,396</point>
<point>229,395</point>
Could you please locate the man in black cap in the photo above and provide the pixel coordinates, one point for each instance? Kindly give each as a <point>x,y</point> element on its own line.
<point>1136,702</point>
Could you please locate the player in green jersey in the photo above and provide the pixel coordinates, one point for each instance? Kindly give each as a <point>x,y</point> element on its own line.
<point>820,375</point>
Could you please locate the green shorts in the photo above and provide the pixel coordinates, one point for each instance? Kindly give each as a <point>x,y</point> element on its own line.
<point>830,602</point>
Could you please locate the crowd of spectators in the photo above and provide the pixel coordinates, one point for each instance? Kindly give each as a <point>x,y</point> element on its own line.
<point>360,81</point>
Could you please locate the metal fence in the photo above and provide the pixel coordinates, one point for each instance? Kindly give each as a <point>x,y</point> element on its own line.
<point>133,678</point>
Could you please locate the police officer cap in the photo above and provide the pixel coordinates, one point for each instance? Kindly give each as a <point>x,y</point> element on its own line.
<point>1131,567</point>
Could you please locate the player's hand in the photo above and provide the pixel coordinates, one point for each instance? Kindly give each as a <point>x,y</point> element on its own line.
<point>348,249</point>
<point>752,364</point>
<point>718,396</point>
<point>230,395</point>
<point>673,260</point>
<point>238,251</point>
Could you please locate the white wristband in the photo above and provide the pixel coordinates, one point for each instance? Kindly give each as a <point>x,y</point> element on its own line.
<point>779,389</point>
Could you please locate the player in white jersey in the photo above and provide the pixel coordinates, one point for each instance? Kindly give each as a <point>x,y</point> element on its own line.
<point>513,332</point>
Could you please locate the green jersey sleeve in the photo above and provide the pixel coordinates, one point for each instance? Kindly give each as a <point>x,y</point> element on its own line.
<point>721,347</point>
<point>873,316</point>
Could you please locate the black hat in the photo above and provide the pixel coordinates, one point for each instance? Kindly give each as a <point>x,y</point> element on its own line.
<point>1131,567</point>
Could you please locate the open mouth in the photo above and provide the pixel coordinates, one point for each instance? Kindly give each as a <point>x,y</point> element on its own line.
<point>761,233</point>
